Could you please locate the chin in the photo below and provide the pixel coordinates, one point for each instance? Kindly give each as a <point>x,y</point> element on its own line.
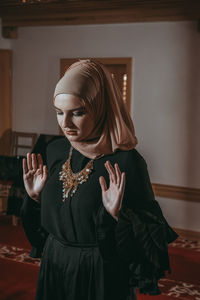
<point>72,138</point>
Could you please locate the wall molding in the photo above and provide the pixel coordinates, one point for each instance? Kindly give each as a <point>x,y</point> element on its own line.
<point>188,234</point>
<point>176,192</point>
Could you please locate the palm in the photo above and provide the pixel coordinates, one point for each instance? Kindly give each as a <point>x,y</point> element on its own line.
<point>112,197</point>
<point>35,175</point>
<point>33,181</point>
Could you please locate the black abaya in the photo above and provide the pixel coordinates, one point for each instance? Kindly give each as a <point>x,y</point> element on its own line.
<point>88,255</point>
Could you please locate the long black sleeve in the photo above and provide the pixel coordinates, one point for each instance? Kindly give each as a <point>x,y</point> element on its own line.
<point>142,233</point>
<point>31,210</point>
<point>30,216</point>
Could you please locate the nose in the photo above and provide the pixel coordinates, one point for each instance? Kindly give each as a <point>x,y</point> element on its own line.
<point>67,122</point>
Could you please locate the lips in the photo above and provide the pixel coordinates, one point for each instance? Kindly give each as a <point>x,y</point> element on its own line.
<point>71,132</point>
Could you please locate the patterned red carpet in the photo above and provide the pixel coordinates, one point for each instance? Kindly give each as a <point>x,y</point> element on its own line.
<point>19,271</point>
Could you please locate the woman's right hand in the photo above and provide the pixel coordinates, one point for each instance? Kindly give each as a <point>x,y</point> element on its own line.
<point>34,175</point>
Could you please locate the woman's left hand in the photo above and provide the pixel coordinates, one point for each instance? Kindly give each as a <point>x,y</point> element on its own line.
<point>112,197</point>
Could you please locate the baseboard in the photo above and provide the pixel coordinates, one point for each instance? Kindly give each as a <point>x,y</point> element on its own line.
<point>176,192</point>
<point>188,234</point>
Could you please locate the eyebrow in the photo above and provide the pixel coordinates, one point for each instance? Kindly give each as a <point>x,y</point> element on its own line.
<point>78,108</point>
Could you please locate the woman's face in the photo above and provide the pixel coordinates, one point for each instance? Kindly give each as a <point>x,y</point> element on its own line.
<point>74,119</point>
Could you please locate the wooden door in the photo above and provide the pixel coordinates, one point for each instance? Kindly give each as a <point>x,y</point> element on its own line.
<point>5,101</point>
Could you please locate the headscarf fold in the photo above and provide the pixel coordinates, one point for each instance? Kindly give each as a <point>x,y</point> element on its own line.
<point>93,83</point>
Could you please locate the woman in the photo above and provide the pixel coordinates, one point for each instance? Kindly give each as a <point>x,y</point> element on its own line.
<point>101,226</point>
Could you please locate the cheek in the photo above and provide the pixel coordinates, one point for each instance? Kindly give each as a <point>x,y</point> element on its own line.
<point>58,119</point>
<point>90,126</point>
<point>87,124</point>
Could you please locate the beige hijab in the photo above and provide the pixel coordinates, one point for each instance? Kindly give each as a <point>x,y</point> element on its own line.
<point>114,129</point>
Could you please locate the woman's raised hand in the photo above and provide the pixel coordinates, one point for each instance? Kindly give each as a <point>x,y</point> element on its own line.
<point>34,175</point>
<point>112,197</point>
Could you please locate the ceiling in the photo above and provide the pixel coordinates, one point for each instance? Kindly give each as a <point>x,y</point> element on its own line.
<point>18,13</point>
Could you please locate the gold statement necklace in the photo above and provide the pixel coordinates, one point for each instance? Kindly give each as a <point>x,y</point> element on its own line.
<point>72,180</point>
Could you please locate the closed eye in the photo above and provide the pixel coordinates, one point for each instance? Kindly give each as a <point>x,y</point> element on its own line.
<point>59,112</point>
<point>78,113</point>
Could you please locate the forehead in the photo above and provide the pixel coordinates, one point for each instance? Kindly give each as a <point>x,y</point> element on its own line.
<point>68,101</point>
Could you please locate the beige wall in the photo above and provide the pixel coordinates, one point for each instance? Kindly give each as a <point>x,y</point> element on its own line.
<point>166,92</point>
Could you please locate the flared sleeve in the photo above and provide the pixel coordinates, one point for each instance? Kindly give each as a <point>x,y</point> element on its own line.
<point>142,233</point>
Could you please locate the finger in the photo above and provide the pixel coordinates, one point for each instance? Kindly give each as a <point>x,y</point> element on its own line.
<point>111,171</point>
<point>34,161</point>
<point>29,162</point>
<point>24,165</point>
<point>40,160</point>
<point>103,184</point>
<point>45,173</point>
<point>122,183</point>
<point>118,174</point>
<point>122,187</point>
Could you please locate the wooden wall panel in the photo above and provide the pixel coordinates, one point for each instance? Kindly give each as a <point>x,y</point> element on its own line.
<point>15,13</point>
<point>5,101</point>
